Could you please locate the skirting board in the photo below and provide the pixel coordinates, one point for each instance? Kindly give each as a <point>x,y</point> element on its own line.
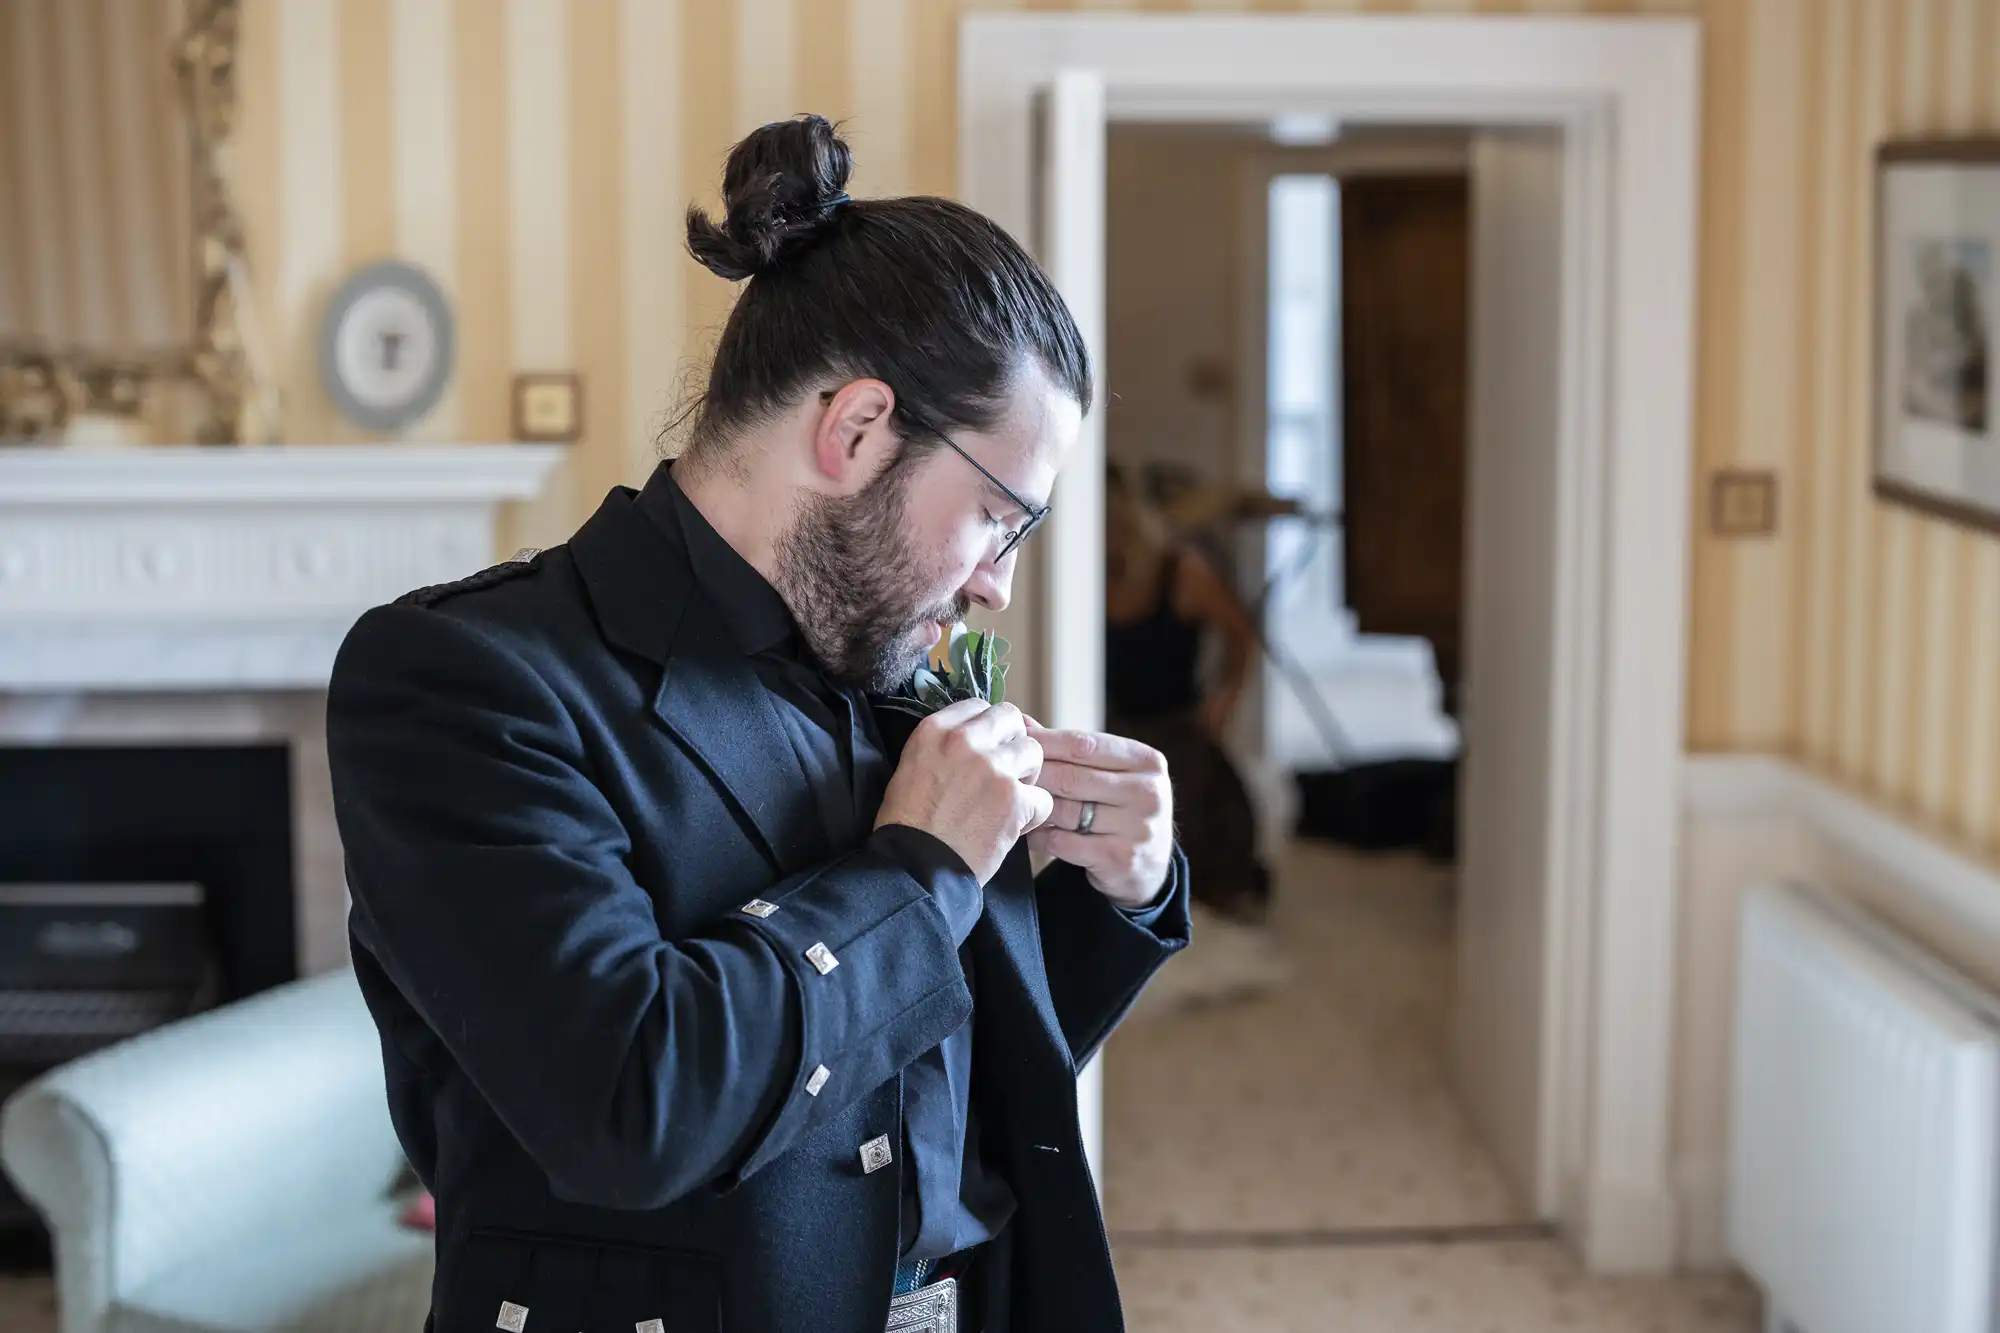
<point>1772,812</point>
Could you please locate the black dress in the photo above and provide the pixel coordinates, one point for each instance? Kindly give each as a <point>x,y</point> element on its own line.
<point>1152,694</point>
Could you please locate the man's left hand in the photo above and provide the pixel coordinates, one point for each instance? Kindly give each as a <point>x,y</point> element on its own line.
<point>1130,843</point>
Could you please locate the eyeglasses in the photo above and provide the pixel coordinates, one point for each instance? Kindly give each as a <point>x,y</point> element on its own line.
<point>1034,513</point>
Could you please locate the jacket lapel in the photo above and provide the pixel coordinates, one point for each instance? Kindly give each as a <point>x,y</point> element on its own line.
<point>710,699</point>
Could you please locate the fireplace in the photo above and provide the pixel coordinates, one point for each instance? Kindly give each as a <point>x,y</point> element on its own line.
<point>216,818</point>
<point>138,885</point>
<point>168,619</point>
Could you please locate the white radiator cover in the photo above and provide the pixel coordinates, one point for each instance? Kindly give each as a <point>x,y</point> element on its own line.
<point>1864,1119</point>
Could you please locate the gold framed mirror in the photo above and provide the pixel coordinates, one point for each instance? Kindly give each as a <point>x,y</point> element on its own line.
<point>131,315</point>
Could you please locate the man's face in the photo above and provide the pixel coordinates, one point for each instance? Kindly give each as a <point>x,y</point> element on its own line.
<point>875,577</point>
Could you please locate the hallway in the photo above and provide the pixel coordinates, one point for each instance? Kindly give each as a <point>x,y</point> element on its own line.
<point>1297,1163</point>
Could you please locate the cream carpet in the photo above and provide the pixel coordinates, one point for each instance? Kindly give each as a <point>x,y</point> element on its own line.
<point>1296,1161</point>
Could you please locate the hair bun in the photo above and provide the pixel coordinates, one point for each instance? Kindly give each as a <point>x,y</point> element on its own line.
<point>782,187</point>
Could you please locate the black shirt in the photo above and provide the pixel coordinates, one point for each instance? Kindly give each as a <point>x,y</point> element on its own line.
<point>951,1202</point>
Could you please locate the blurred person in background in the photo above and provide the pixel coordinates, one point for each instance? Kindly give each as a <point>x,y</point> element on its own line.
<point>1163,602</point>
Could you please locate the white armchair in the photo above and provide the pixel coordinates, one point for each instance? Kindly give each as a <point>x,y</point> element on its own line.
<point>230,1172</point>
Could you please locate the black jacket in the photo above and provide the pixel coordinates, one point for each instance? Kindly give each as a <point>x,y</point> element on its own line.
<point>558,783</point>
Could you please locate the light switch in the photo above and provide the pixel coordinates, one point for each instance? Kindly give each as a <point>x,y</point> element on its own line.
<point>1744,504</point>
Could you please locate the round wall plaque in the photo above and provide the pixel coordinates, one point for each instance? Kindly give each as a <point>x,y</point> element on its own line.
<point>386,346</point>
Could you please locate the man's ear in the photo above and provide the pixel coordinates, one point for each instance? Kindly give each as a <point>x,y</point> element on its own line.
<point>854,438</point>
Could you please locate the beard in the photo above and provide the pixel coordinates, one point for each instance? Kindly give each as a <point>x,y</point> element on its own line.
<point>858,586</point>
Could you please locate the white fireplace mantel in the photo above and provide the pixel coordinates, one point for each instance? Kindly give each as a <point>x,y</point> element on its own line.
<point>230,568</point>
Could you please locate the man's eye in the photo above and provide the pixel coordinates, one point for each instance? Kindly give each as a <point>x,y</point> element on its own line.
<point>989,516</point>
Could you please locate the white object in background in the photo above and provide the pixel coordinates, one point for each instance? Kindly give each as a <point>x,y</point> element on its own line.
<point>1304,129</point>
<point>387,346</point>
<point>103,430</point>
<point>1864,1115</point>
<point>230,568</point>
<point>1072,250</point>
<point>1511,938</point>
<point>1306,613</point>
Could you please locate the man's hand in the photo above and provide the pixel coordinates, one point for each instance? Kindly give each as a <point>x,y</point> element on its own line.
<point>967,779</point>
<point>1130,844</point>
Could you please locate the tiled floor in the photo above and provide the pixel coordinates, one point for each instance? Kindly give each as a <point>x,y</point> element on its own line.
<point>1265,1153</point>
<point>1300,1132</point>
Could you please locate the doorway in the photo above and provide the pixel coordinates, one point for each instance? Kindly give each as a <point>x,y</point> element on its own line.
<point>1288,367</point>
<point>1591,1103</point>
<point>1353,269</point>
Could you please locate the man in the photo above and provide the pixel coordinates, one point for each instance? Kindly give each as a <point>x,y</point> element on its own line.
<point>711,998</point>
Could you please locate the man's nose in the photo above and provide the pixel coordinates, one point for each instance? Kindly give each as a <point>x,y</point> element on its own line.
<point>992,584</point>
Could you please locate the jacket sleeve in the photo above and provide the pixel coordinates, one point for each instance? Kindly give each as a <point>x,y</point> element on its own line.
<point>490,879</point>
<point>1099,957</point>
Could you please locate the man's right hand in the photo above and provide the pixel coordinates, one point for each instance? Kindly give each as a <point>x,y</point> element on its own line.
<point>967,779</point>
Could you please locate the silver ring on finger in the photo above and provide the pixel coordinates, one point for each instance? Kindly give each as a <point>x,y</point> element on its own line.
<point>1086,820</point>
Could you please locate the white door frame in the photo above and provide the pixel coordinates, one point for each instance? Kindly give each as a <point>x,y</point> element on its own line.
<point>1625,93</point>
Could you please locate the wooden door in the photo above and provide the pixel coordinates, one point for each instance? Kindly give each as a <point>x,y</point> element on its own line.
<point>1405,257</point>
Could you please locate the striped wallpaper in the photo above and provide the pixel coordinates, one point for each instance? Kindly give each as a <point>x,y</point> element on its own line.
<point>1866,640</point>
<point>535,155</point>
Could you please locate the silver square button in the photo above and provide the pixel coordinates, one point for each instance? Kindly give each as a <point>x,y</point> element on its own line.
<point>818,1080</point>
<point>513,1317</point>
<point>875,1155</point>
<point>649,1326</point>
<point>758,908</point>
<point>822,958</point>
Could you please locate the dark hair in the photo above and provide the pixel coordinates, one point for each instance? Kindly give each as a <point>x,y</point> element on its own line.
<point>925,294</point>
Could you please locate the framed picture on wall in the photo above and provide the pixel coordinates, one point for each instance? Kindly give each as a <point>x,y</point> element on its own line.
<point>1937,308</point>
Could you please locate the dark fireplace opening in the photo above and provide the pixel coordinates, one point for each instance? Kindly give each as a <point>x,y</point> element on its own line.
<point>138,884</point>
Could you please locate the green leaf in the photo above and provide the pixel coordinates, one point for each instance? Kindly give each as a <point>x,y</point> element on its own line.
<point>979,667</point>
<point>968,665</point>
<point>997,671</point>
<point>935,693</point>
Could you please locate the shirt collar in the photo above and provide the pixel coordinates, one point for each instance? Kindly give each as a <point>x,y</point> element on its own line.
<point>756,615</point>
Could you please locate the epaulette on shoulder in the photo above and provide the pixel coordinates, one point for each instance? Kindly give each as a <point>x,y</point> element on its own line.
<point>513,566</point>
